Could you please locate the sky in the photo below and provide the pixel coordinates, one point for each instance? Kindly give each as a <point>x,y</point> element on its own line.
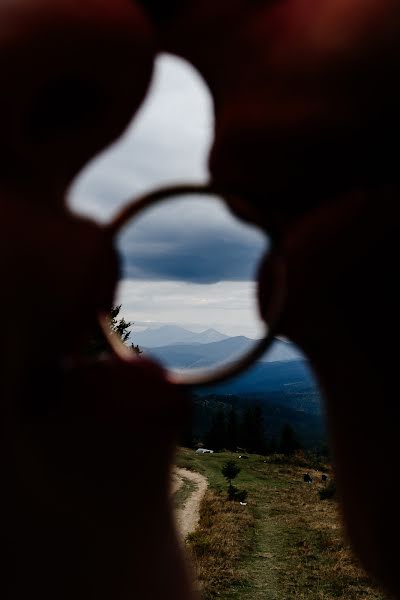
<point>189,262</point>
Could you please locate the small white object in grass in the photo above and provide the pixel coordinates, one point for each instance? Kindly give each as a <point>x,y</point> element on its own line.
<point>243,504</point>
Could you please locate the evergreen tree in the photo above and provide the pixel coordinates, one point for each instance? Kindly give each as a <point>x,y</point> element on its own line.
<point>246,429</point>
<point>232,433</point>
<point>187,437</point>
<point>98,343</point>
<point>258,443</point>
<point>230,470</point>
<point>216,437</point>
<point>272,446</point>
<point>252,435</point>
<point>119,325</point>
<point>289,442</point>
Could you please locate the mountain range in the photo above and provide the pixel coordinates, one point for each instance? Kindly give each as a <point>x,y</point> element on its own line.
<point>290,383</point>
<point>168,335</point>
<point>179,348</point>
<point>281,381</point>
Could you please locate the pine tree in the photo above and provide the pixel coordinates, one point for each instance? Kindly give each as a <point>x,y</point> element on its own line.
<point>258,443</point>
<point>119,325</point>
<point>289,442</point>
<point>186,438</point>
<point>98,344</point>
<point>252,435</point>
<point>272,446</point>
<point>232,433</point>
<point>246,429</point>
<point>230,470</point>
<point>216,437</point>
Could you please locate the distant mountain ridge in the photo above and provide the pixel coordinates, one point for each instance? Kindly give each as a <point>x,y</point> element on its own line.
<point>180,348</point>
<point>286,391</point>
<point>289,383</point>
<point>281,381</point>
<point>200,355</point>
<point>170,335</point>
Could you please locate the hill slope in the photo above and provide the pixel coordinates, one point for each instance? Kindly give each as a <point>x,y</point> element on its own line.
<point>169,335</point>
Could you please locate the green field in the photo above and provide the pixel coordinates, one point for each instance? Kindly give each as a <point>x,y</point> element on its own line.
<point>285,543</point>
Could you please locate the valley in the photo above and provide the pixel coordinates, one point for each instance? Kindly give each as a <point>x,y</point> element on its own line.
<point>281,382</point>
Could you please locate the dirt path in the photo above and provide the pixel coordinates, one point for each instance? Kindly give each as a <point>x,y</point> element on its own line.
<point>187,516</point>
<point>176,482</point>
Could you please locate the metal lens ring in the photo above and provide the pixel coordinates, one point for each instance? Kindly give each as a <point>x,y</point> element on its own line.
<point>221,372</point>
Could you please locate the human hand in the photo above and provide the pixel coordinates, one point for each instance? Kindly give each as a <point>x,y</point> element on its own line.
<point>306,99</point>
<point>306,94</point>
<point>86,445</point>
<point>72,75</point>
<point>86,510</point>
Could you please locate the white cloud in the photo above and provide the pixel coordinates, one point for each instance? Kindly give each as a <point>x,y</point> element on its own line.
<point>167,142</point>
<point>230,307</point>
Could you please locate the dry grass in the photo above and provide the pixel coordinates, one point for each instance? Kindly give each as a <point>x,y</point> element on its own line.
<point>313,559</point>
<point>223,537</point>
<point>286,543</point>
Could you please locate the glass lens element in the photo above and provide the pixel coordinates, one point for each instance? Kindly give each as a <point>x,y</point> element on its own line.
<point>188,283</point>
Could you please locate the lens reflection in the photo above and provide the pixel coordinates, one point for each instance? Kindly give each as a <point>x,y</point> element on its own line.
<point>188,283</point>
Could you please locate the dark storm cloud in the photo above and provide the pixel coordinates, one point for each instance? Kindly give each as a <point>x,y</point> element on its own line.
<point>168,143</point>
<point>201,252</point>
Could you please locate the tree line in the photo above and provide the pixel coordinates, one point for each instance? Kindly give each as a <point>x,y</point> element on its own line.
<point>233,430</point>
<point>229,429</point>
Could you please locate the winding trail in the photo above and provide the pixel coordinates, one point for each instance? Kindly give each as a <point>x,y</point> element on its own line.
<point>187,517</point>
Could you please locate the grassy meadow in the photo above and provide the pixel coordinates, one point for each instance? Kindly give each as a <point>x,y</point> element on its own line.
<point>285,543</point>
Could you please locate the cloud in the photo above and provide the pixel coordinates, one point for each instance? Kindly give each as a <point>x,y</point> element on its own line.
<point>192,264</point>
<point>194,240</point>
<point>167,142</point>
<point>230,307</point>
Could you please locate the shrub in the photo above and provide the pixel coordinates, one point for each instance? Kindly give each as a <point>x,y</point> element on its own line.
<point>236,495</point>
<point>229,470</point>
